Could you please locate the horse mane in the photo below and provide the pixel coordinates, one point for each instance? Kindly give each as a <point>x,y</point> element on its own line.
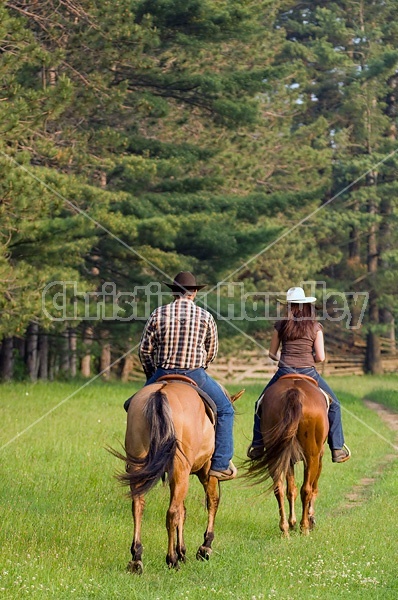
<point>142,474</point>
<point>282,448</point>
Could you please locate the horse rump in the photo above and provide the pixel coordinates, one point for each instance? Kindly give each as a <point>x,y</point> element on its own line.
<point>142,474</point>
<point>282,447</point>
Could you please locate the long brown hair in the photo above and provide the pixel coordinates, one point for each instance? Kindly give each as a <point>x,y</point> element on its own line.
<point>299,323</point>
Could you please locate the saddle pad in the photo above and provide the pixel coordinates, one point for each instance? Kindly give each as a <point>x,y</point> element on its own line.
<point>328,399</point>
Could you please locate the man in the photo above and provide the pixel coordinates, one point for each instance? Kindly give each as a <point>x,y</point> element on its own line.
<point>181,338</point>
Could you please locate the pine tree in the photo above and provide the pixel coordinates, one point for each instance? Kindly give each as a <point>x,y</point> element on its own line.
<point>349,52</point>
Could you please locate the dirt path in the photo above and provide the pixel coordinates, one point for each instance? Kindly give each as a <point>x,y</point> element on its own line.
<point>390,418</point>
<point>360,492</point>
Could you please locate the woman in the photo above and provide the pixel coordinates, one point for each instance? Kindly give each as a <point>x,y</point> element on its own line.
<point>301,338</point>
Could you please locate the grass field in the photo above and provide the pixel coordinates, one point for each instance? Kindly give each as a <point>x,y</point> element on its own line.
<point>66,524</point>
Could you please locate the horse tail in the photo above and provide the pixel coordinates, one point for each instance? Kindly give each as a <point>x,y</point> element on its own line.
<point>142,474</point>
<point>281,445</point>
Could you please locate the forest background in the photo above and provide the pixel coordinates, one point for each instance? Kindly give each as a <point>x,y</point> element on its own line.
<point>251,142</point>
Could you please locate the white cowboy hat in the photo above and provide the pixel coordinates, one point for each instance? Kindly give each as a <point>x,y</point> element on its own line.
<point>297,295</point>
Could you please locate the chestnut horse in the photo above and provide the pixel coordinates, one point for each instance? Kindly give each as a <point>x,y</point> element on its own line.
<point>169,431</point>
<point>294,425</point>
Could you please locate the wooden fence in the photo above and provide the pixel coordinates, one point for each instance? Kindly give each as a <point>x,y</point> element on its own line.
<point>244,367</point>
<point>254,367</point>
<point>258,367</point>
<point>261,368</point>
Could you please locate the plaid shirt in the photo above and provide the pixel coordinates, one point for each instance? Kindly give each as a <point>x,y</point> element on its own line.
<point>179,335</point>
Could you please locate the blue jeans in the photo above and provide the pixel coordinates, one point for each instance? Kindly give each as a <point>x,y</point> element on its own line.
<point>335,436</point>
<point>224,447</point>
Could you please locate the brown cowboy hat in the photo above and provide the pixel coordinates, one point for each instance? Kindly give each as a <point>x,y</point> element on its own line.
<point>184,281</point>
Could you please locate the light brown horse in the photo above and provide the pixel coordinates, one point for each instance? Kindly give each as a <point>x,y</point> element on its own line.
<point>294,425</point>
<point>169,431</point>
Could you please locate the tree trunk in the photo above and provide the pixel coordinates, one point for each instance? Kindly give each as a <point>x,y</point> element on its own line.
<point>385,245</point>
<point>354,261</point>
<point>373,354</point>
<point>72,348</point>
<point>128,367</point>
<point>386,227</point>
<point>43,356</point>
<point>64,359</point>
<point>86,360</point>
<point>373,347</point>
<point>31,356</point>
<point>391,106</point>
<point>354,243</point>
<point>52,360</point>
<point>6,359</point>
<point>105,359</point>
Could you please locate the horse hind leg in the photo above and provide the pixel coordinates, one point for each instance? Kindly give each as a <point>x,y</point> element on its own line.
<point>175,522</point>
<point>211,487</point>
<point>291,493</point>
<point>311,475</point>
<point>280,497</point>
<point>311,510</point>
<point>136,565</point>
<point>180,546</point>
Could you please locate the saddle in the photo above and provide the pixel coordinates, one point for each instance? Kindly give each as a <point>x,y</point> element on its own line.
<point>209,404</point>
<point>299,376</point>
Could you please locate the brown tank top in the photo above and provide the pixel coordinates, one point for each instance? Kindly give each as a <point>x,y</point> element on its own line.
<point>298,353</point>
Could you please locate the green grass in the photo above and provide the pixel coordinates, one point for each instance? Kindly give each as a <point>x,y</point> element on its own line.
<point>383,390</point>
<point>66,526</point>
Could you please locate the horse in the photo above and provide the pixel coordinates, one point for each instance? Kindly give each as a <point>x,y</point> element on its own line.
<point>294,426</point>
<point>169,431</point>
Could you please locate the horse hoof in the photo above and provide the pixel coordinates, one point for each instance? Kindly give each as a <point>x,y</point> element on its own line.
<point>136,567</point>
<point>172,564</point>
<point>285,534</point>
<point>203,553</point>
<point>305,531</point>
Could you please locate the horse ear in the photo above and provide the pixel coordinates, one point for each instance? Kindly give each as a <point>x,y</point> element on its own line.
<point>237,396</point>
